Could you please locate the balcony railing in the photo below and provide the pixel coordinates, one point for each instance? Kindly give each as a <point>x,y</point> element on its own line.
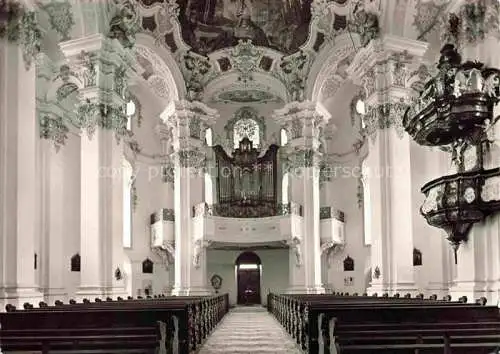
<point>247,211</point>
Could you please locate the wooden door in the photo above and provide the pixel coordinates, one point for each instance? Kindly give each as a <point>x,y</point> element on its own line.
<point>249,286</point>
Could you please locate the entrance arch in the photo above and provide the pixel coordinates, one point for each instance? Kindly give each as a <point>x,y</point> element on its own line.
<point>248,273</point>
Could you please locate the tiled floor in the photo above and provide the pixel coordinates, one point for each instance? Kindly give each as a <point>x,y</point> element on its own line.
<point>249,330</point>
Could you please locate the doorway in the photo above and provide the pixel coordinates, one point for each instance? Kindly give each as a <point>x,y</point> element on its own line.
<point>248,273</point>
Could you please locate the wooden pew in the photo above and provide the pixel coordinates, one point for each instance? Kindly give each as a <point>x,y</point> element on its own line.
<point>179,322</point>
<point>352,325</point>
<point>143,340</point>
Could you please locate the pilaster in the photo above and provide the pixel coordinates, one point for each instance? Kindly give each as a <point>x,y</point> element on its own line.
<point>385,69</point>
<point>103,68</point>
<point>304,123</point>
<point>18,178</point>
<point>188,121</point>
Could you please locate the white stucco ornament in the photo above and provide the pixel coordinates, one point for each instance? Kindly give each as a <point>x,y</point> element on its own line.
<point>469,195</point>
<point>491,189</point>
<point>430,202</point>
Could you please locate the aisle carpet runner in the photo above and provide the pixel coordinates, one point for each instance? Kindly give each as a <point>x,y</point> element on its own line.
<point>249,330</point>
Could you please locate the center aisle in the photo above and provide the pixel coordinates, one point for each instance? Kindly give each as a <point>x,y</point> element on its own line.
<point>249,330</point>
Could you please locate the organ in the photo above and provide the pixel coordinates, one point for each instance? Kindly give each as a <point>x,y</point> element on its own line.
<point>246,183</point>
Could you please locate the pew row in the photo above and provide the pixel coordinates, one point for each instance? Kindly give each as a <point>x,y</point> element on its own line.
<point>334,324</point>
<point>162,325</point>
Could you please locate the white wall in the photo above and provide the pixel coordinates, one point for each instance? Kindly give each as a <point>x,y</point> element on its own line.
<point>153,194</point>
<point>275,273</point>
<point>341,193</point>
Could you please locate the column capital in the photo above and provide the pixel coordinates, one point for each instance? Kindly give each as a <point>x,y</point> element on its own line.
<point>304,122</point>
<point>385,50</point>
<point>187,122</point>
<point>101,67</point>
<point>194,114</point>
<point>391,71</point>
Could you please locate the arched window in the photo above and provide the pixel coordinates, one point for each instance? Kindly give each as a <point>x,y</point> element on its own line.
<point>365,180</point>
<point>284,188</point>
<point>246,128</point>
<point>128,179</point>
<point>208,189</point>
<point>131,109</point>
<point>208,137</point>
<point>284,137</point>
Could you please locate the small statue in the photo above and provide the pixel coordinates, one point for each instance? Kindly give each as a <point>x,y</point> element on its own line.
<point>295,245</point>
<point>197,253</point>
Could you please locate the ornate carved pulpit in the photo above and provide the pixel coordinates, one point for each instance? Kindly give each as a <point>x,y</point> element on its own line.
<point>246,183</point>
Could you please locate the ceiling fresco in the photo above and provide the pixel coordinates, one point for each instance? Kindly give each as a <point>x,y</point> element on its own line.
<point>258,43</point>
<point>209,25</point>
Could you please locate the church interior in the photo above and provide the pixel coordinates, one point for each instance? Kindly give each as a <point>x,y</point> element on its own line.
<point>312,165</point>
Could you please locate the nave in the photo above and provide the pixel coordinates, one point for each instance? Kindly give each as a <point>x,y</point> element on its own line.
<point>246,330</point>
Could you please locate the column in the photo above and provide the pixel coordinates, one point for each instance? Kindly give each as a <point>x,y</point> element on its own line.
<point>303,122</point>
<point>189,121</point>
<point>383,68</point>
<point>19,131</point>
<point>478,263</point>
<point>104,68</point>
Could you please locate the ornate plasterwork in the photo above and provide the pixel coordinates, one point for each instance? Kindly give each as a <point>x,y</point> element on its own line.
<point>22,28</point>
<point>242,96</point>
<point>245,58</point>
<point>61,17</point>
<point>53,128</point>
<point>472,23</point>
<point>428,16</point>
<point>247,114</point>
<point>124,25</point>
<point>384,116</point>
<point>157,74</point>
<point>329,20</point>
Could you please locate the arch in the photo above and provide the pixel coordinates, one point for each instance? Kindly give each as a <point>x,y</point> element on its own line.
<point>248,257</point>
<point>163,63</point>
<point>327,61</point>
<point>248,278</point>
